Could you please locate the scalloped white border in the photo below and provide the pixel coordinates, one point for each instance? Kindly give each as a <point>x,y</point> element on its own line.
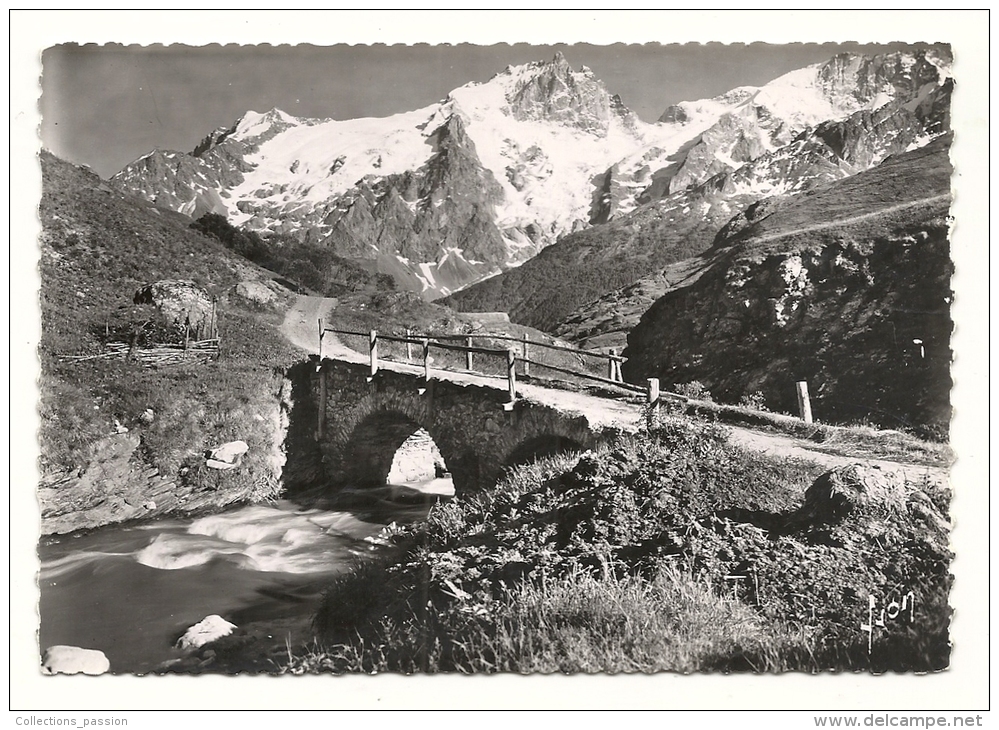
<point>963,687</point>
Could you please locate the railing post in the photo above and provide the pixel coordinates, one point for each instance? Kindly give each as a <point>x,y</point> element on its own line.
<point>511,373</point>
<point>426,358</point>
<point>468,353</point>
<point>611,370</point>
<point>804,407</point>
<point>527,365</point>
<point>373,349</point>
<point>652,402</point>
<point>409,347</point>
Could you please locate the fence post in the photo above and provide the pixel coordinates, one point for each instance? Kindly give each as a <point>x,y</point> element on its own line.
<point>468,353</point>
<point>511,373</point>
<point>804,407</point>
<point>409,346</point>
<point>611,362</point>
<point>373,349</point>
<point>215,333</point>
<point>321,333</point>
<point>652,402</point>
<point>527,365</point>
<point>426,358</point>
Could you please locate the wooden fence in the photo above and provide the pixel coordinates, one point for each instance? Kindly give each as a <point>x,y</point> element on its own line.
<point>508,358</point>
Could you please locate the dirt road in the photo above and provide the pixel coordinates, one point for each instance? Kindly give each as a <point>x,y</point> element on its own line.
<point>301,323</point>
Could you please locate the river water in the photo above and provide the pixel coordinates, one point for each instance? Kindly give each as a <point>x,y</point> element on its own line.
<point>132,591</point>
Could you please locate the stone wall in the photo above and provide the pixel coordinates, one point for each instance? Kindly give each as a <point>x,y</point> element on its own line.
<point>367,422</point>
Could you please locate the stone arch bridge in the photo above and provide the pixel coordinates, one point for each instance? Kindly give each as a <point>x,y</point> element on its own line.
<point>363,419</point>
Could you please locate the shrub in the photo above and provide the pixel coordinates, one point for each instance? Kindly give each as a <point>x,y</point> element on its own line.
<point>694,389</point>
<point>756,401</point>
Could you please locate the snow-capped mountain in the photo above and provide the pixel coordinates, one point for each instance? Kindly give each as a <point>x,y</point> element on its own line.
<point>552,290</point>
<point>482,181</point>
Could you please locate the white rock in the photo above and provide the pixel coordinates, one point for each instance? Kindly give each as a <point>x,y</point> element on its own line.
<point>255,291</point>
<point>62,659</point>
<point>149,505</point>
<point>227,455</point>
<point>209,629</point>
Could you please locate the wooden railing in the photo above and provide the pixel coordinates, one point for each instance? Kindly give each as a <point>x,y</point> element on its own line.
<point>507,356</point>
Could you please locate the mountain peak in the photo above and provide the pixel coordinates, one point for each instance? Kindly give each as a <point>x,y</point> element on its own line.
<point>252,123</point>
<point>553,92</point>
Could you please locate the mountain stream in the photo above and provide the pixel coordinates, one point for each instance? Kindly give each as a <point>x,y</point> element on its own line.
<point>132,591</point>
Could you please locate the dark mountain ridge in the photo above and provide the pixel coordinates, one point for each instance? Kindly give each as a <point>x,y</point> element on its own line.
<point>846,287</point>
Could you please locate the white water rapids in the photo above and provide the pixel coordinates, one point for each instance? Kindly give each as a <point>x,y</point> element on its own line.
<point>132,591</point>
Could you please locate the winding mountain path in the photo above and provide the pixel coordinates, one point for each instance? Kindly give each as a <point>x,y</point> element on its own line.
<point>849,221</point>
<point>301,327</point>
<point>301,322</point>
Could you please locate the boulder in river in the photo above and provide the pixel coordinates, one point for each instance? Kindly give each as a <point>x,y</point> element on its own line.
<point>61,659</point>
<point>205,631</point>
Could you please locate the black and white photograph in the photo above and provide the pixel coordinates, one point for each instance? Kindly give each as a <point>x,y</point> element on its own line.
<point>510,358</point>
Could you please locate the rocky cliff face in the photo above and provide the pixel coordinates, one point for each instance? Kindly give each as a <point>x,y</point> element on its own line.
<point>557,94</point>
<point>847,288</point>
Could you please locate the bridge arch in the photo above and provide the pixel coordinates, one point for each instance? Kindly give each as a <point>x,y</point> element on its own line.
<point>371,451</point>
<point>478,434</point>
<point>367,428</point>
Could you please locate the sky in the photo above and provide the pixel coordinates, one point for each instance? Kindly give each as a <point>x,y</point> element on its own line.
<point>106,105</point>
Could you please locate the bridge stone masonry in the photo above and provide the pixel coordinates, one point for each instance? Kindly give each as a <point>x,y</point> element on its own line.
<point>365,417</point>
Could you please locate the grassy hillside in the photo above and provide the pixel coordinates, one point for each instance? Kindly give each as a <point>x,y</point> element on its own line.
<point>670,551</point>
<point>308,266</point>
<point>97,248</point>
<point>606,322</point>
<point>861,207</point>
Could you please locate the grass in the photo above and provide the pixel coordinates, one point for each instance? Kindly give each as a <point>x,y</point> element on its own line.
<point>670,551</point>
<point>578,622</point>
<point>918,175</point>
